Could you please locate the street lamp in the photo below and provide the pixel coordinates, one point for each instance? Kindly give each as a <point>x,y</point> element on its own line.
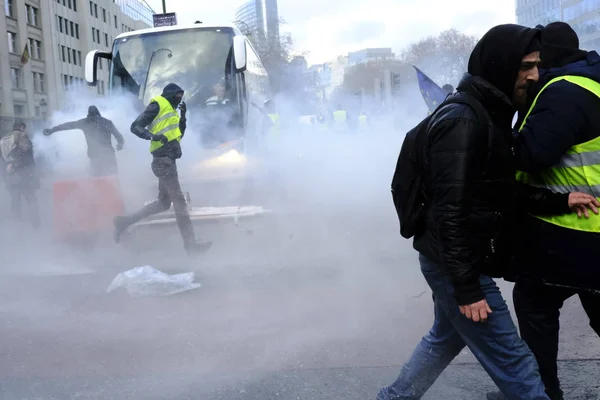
<point>148,71</point>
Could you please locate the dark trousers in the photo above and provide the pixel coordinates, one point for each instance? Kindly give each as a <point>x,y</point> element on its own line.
<point>17,195</point>
<point>169,192</point>
<point>538,309</point>
<point>104,164</point>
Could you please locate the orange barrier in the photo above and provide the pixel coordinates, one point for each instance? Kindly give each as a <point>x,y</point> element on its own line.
<point>86,206</point>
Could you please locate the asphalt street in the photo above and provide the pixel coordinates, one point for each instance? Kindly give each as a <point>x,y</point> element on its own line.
<point>322,302</point>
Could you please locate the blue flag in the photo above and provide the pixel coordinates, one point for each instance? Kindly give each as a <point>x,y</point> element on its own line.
<point>431,92</point>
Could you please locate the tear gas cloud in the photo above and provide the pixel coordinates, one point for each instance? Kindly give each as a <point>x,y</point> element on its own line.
<point>315,278</point>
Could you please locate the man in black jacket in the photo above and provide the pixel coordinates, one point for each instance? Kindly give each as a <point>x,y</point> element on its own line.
<point>160,124</point>
<point>564,115</point>
<point>98,133</point>
<point>470,219</point>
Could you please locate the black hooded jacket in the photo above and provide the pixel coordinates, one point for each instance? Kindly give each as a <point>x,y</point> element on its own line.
<point>138,127</point>
<point>471,187</point>
<point>97,130</point>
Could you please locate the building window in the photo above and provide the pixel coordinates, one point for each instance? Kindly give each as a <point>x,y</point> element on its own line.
<point>9,8</point>
<point>64,53</point>
<point>74,5</point>
<point>19,110</point>
<point>69,55</point>
<point>66,27</point>
<point>96,10</point>
<point>66,82</point>
<point>94,35</point>
<point>12,42</point>
<point>77,31</point>
<point>74,56</point>
<point>79,57</point>
<point>15,76</point>
<point>60,24</point>
<point>38,82</point>
<point>104,15</point>
<point>106,39</point>
<point>35,49</point>
<point>72,28</point>
<point>116,22</point>
<point>92,8</point>
<point>32,15</point>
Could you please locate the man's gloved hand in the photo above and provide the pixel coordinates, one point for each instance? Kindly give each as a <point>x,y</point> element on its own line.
<point>183,108</point>
<point>119,146</point>
<point>48,132</point>
<point>160,138</point>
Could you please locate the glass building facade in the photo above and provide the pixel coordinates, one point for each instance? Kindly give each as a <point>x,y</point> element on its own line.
<point>137,9</point>
<point>259,19</point>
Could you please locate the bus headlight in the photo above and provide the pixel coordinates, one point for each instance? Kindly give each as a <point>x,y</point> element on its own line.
<point>230,158</point>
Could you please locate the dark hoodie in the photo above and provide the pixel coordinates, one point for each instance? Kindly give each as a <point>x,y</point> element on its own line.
<point>471,188</point>
<point>97,130</point>
<point>138,127</point>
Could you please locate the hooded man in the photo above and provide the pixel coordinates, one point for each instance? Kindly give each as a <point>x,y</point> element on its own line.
<point>20,173</point>
<point>98,133</point>
<point>558,147</point>
<point>160,124</point>
<point>470,211</point>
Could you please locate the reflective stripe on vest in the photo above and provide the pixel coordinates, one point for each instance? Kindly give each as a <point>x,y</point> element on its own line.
<point>166,123</point>
<point>577,171</point>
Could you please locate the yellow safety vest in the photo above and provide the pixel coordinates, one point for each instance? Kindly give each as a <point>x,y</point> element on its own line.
<point>577,171</point>
<point>340,116</point>
<point>166,123</point>
<point>274,129</point>
<point>362,119</point>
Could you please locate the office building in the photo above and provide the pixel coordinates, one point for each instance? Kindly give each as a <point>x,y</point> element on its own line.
<point>57,34</point>
<point>582,15</point>
<point>259,19</point>
<point>368,55</point>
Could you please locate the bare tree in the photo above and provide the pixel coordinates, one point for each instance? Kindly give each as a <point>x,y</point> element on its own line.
<point>444,58</point>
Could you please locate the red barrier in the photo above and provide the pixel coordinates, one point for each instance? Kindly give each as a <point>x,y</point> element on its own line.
<point>86,206</point>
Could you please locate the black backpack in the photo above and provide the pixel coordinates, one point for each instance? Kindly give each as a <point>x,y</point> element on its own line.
<point>408,182</point>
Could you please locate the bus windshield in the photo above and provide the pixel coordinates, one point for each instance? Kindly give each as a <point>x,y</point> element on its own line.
<point>196,59</point>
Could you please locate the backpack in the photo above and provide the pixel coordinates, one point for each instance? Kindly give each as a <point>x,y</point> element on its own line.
<point>408,183</point>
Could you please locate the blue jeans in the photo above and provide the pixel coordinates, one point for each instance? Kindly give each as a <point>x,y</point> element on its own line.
<point>495,343</point>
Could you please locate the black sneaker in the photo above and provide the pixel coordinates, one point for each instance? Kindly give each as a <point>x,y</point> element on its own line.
<point>197,247</point>
<point>495,396</point>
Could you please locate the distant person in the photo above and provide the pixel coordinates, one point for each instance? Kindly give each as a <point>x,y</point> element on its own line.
<point>219,124</point>
<point>20,172</point>
<point>448,88</point>
<point>271,121</point>
<point>340,119</point>
<point>98,133</point>
<point>220,96</point>
<point>364,122</point>
<point>161,125</point>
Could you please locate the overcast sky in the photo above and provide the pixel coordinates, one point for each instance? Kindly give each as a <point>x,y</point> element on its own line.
<point>327,28</point>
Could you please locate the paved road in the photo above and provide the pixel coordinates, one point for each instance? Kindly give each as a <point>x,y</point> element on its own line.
<point>325,303</point>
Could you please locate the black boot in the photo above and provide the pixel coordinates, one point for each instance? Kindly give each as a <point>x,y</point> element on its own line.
<point>197,247</point>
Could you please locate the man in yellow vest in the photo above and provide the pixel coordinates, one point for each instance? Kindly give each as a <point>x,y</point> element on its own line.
<point>340,119</point>
<point>160,124</point>
<point>272,125</point>
<point>558,148</point>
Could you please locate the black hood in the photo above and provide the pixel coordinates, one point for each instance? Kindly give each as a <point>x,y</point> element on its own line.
<point>497,56</point>
<point>169,93</point>
<point>560,46</point>
<point>93,111</point>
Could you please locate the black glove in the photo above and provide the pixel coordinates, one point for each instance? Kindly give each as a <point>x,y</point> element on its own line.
<point>160,138</point>
<point>183,108</point>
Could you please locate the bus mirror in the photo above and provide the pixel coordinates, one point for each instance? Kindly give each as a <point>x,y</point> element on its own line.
<point>239,52</point>
<point>91,65</point>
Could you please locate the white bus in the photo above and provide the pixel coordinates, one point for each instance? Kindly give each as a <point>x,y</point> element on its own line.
<point>202,59</point>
